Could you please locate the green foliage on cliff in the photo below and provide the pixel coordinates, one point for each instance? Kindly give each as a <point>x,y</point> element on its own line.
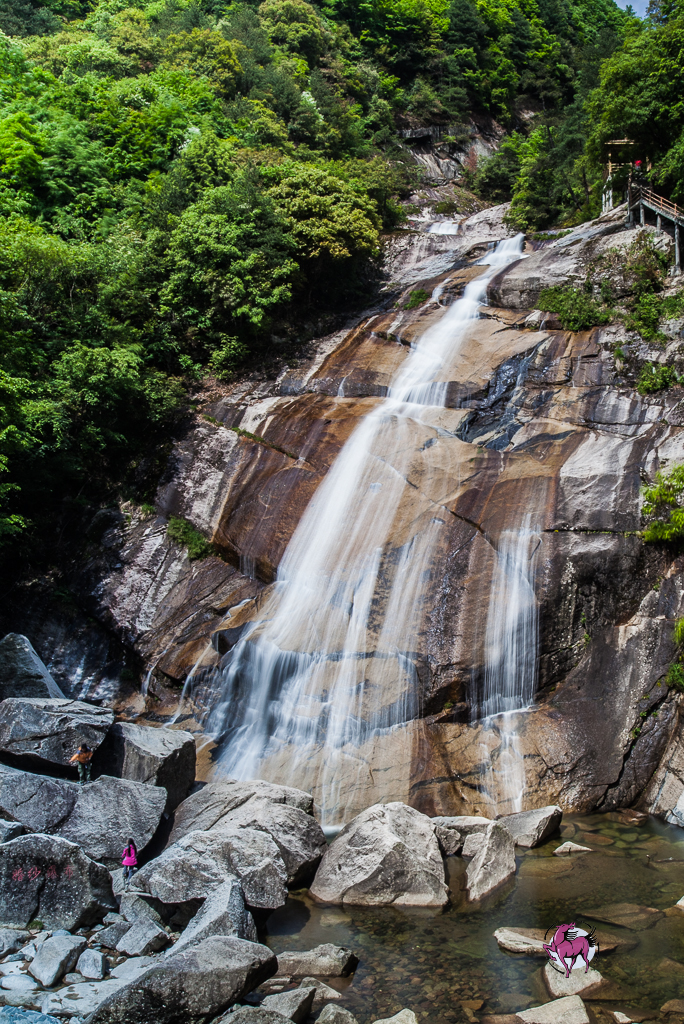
<point>186,184</point>
<point>662,506</point>
<point>655,378</point>
<point>576,309</point>
<point>185,534</point>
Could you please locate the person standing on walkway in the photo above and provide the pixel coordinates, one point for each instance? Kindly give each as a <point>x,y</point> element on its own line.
<point>129,861</point>
<point>83,757</point>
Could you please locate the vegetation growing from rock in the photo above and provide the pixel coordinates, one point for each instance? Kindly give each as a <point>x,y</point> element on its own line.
<point>655,378</point>
<point>662,506</point>
<point>185,534</point>
<point>576,309</point>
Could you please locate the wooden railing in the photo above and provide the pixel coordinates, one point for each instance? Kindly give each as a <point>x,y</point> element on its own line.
<point>639,193</point>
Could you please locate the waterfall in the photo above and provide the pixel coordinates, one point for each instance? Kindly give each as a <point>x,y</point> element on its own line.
<point>328,665</point>
<point>445,227</point>
<point>510,656</point>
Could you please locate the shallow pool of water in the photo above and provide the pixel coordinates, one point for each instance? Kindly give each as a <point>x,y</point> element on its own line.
<point>446,965</point>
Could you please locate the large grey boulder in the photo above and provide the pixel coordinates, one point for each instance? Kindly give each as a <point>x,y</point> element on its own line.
<point>56,957</point>
<point>191,987</point>
<point>157,756</point>
<point>44,731</point>
<point>464,824</point>
<point>142,938</point>
<point>326,961</point>
<point>205,809</point>
<point>332,1014</point>
<point>222,913</point>
<point>100,816</point>
<point>530,828</point>
<point>295,1005</point>
<point>202,861</point>
<point>324,993</point>
<point>49,879</point>
<point>81,999</point>
<point>92,964</point>
<point>133,907</point>
<point>297,834</point>
<point>387,854</point>
<point>22,673</point>
<point>493,864</point>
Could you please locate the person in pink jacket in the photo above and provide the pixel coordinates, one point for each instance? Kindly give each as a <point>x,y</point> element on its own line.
<point>129,861</point>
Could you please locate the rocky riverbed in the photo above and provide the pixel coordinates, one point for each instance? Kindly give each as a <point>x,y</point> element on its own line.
<point>241,910</point>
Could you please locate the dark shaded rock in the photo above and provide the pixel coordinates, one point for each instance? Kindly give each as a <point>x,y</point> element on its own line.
<point>11,830</point>
<point>387,854</point>
<point>206,808</point>
<point>56,957</point>
<point>326,961</point>
<point>324,993</point>
<point>22,673</point>
<point>222,913</point>
<point>49,879</point>
<point>201,861</point>
<point>157,756</point>
<point>251,1015</point>
<point>47,731</point>
<point>99,816</point>
<point>110,936</point>
<point>192,986</point>
<point>449,840</point>
<point>133,907</point>
<point>530,828</point>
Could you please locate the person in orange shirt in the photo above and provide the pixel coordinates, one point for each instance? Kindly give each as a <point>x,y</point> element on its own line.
<point>83,757</point>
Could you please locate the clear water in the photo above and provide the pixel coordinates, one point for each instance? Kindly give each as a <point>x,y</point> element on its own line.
<point>433,961</point>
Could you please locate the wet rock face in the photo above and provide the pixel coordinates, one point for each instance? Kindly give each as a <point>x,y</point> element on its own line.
<point>50,879</point>
<point>22,673</point>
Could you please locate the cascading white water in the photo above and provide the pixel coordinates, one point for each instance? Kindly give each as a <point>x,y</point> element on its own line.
<point>326,666</point>
<point>510,655</point>
<point>444,227</point>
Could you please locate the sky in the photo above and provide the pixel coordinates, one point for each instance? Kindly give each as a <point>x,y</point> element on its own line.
<point>638,6</point>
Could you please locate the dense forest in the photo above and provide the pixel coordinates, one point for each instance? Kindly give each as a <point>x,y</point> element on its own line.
<point>187,185</point>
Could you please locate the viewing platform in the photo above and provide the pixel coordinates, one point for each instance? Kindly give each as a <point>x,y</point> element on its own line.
<point>642,202</point>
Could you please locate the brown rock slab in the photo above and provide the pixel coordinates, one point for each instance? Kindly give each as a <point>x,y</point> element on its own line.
<point>627,915</point>
<point>673,1006</point>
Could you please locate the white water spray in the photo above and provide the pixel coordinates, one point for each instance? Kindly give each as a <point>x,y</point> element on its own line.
<point>326,667</point>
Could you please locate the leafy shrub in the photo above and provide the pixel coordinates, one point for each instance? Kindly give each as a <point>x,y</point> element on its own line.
<point>185,534</point>
<point>417,298</point>
<point>656,378</point>
<point>576,310</point>
<point>678,634</point>
<point>662,505</point>
<point>675,676</point>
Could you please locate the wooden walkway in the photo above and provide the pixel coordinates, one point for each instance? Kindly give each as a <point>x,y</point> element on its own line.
<point>642,199</point>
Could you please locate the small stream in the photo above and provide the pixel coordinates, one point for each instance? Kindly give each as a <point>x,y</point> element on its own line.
<point>446,965</point>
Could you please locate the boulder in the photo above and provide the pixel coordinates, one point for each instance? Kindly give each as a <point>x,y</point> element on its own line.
<point>50,879</point>
<point>579,982</point>
<point>403,1017</point>
<point>55,957</point>
<point>465,824</point>
<point>12,939</point>
<point>21,990</point>
<point>110,936</point>
<point>142,938</point>
<point>296,1004</point>
<point>324,993</point>
<point>530,828</point>
<point>133,907</point>
<point>99,817</point>
<point>48,731</point>
<point>13,1015</point>
<point>388,854</point>
<point>472,844</point>
<point>144,753</point>
<point>193,986</point>
<point>335,1015</point>
<point>570,1010</point>
<point>568,848</point>
<point>222,913</point>
<point>673,1006</point>
<point>206,808</point>
<point>82,999</point>
<point>201,861</point>
<point>493,864</point>
<point>10,830</point>
<point>92,964</point>
<point>297,835</point>
<point>449,840</point>
<point>251,1015</point>
<point>134,967</point>
<point>22,673</point>
<point>627,915</point>
<point>326,961</point>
